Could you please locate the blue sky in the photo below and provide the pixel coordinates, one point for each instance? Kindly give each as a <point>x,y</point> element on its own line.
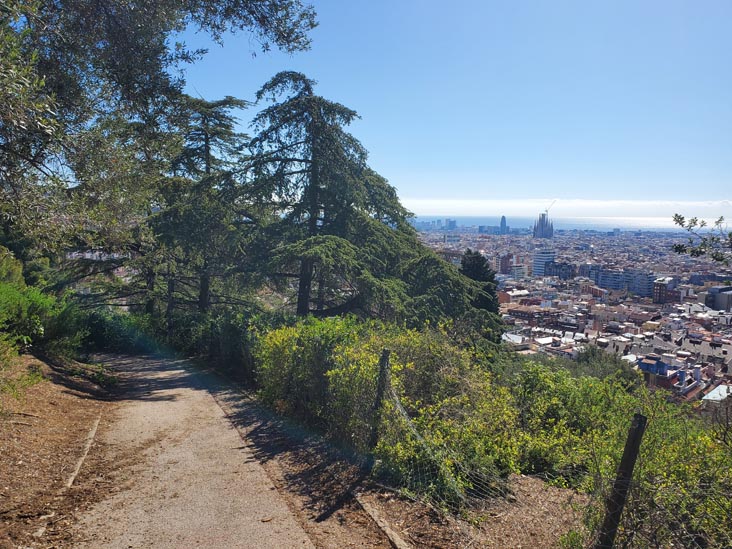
<point>619,108</point>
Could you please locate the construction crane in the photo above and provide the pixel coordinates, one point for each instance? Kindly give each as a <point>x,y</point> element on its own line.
<point>550,206</point>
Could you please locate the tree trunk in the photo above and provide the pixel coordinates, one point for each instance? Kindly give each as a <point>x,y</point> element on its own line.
<point>207,152</point>
<point>170,306</point>
<point>304,287</point>
<point>313,190</point>
<point>321,292</point>
<point>204,291</point>
<point>150,289</point>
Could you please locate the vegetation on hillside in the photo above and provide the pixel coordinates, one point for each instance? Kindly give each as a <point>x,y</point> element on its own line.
<point>455,426</point>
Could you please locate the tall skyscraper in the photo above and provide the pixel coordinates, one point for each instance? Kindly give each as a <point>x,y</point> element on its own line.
<point>504,228</point>
<point>543,228</point>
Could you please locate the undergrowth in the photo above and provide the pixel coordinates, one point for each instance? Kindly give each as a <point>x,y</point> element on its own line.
<point>16,379</point>
<point>453,425</point>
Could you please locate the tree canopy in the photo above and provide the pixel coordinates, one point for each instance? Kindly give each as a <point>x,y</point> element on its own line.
<point>156,201</point>
<point>68,66</point>
<point>475,266</point>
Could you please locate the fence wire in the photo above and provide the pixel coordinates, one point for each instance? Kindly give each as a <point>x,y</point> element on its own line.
<point>441,478</point>
<point>463,487</point>
<point>444,480</point>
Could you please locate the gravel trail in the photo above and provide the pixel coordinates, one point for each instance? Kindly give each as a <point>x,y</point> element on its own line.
<point>186,478</point>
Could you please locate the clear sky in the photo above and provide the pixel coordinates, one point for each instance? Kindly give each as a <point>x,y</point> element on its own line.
<point>472,106</point>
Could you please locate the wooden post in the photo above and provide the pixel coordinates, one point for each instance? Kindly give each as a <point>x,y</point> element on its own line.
<point>381,386</point>
<point>616,501</point>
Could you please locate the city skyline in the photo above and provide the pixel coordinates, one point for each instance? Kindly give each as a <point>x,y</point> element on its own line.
<point>496,101</point>
<point>640,212</point>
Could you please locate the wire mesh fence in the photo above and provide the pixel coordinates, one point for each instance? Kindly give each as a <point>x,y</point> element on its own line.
<point>662,510</point>
<point>441,427</point>
<point>441,474</point>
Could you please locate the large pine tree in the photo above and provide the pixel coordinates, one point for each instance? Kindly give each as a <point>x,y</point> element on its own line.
<point>316,173</point>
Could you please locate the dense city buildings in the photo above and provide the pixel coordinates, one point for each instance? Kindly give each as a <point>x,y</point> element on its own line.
<point>563,270</point>
<point>626,292</point>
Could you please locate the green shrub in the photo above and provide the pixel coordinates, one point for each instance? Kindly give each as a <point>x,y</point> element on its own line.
<point>8,350</point>
<point>31,318</point>
<point>22,311</point>
<point>682,493</point>
<point>16,384</point>
<point>450,432</point>
<point>11,269</point>
<point>325,372</point>
<point>465,422</point>
<point>292,363</point>
<point>226,340</point>
<point>120,332</point>
<point>352,381</point>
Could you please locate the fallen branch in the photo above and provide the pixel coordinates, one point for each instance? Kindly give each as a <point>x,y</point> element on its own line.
<point>25,414</point>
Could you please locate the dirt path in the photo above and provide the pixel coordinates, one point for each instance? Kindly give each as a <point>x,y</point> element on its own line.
<point>182,458</point>
<point>186,478</point>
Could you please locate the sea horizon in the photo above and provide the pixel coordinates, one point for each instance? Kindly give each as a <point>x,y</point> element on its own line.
<point>563,223</point>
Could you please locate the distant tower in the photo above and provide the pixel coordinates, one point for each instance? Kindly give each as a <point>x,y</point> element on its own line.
<point>504,228</point>
<point>543,228</point>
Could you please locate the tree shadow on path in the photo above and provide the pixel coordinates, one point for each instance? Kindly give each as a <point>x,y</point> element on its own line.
<point>323,475</point>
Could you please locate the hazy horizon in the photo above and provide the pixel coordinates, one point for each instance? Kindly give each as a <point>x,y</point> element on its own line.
<point>640,213</point>
<point>561,223</point>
